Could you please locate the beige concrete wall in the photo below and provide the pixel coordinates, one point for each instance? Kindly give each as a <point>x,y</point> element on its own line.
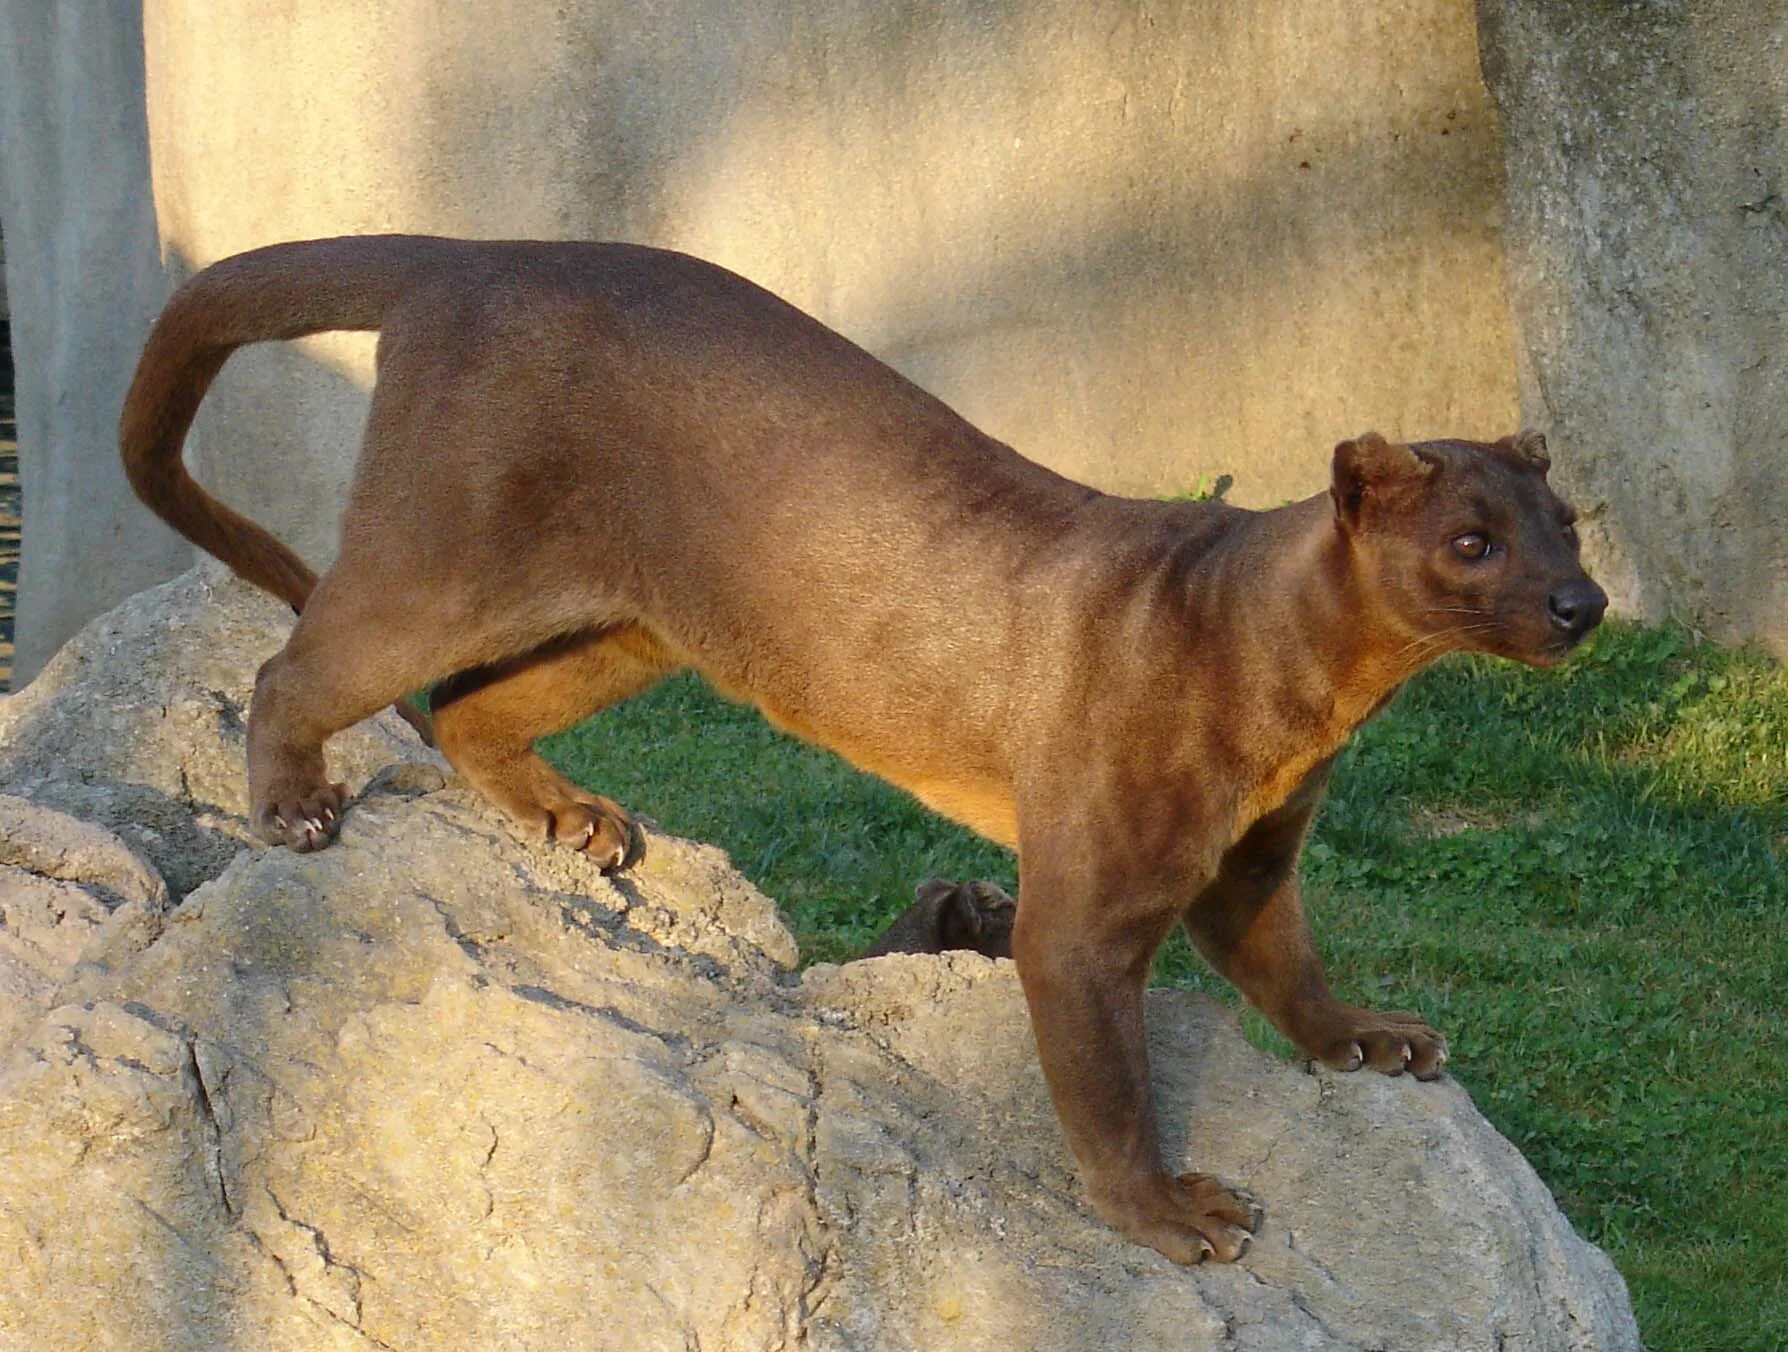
<point>1143,243</point>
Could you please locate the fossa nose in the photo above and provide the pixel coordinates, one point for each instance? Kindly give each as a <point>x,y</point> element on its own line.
<point>1577,607</point>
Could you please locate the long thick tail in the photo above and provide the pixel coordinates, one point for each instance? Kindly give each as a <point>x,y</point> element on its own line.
<point>284,291</point>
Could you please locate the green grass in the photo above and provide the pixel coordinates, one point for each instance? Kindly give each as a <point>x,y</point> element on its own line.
<point>1582,876</point>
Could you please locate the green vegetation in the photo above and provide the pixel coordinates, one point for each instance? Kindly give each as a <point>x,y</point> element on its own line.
<point>1582,876</point>
<point>1205,489</point>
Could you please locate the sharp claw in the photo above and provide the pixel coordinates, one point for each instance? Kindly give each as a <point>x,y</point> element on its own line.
<point>312,824</point>
<point>1357,1057</point>
<point>1408,1055</point>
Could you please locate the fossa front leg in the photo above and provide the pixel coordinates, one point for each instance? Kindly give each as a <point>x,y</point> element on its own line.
<point>1249,924</point>
<point>1084,939</point>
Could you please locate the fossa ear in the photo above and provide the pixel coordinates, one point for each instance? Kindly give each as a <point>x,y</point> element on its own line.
<point>1369,471</point>
<point>973,915</point>
<point>1529,447</point>
<point>959,919</point>
<point>999,917</point>
<point>932,891</point>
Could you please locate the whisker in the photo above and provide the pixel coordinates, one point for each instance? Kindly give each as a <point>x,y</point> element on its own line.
<point>1428,642</point>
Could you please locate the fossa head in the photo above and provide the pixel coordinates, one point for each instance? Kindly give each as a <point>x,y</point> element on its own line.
<point>1468,547</point>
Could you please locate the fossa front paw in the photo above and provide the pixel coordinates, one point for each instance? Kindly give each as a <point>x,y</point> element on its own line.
<point>1389,1043</point>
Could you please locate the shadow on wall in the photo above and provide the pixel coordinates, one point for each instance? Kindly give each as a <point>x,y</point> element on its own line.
<point>83,285</point>
<point>1137,246</point>
<point>1175,268</point>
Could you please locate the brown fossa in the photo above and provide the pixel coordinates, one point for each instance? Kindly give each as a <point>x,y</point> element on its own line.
<point>589,465</point>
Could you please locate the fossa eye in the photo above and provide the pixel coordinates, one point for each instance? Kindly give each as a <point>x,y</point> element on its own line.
<point>1473,545</point>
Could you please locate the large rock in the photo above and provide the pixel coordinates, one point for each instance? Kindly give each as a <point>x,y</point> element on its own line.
<point>433,1087</point>
<point>1647,153</point>
<point>138,723</point>
<point>61,880</point>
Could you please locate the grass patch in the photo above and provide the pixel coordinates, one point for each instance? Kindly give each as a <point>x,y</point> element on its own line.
<point>1582,876</point>
<point>839,851</point>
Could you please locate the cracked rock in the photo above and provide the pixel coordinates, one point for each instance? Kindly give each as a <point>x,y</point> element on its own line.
<point>137,724</point>
<point>61,881</point>
<point>435,1088</point>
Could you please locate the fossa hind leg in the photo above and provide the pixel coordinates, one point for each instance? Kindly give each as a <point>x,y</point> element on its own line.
<point>488,719</point>
<point>355,650</point>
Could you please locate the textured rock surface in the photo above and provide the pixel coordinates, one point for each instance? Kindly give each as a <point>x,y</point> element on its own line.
<point>1647,153</point>
<point>61,879</point>
<point>138,723</point>
<point>435,1088</point>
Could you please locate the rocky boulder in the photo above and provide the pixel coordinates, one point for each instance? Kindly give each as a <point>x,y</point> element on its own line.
<point>1646,150</point>
<point>436,1088</point>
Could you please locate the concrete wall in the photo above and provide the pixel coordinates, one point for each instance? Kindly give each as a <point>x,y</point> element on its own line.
<point>1647,151</point>
<point>1144,243</point>
<point>1140,242</point>
<point>83,283</point>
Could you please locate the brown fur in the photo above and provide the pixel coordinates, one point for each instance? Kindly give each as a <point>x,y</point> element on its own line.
<point>589,465</point>
<point>976,916</point>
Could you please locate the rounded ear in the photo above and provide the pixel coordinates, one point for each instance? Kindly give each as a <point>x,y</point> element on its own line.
<point>1369,469</point>
<point>959,919</point>
<point>1529,446</point>
<point>999,917</point>
<point>933,890</point>
<point>991,896</point>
